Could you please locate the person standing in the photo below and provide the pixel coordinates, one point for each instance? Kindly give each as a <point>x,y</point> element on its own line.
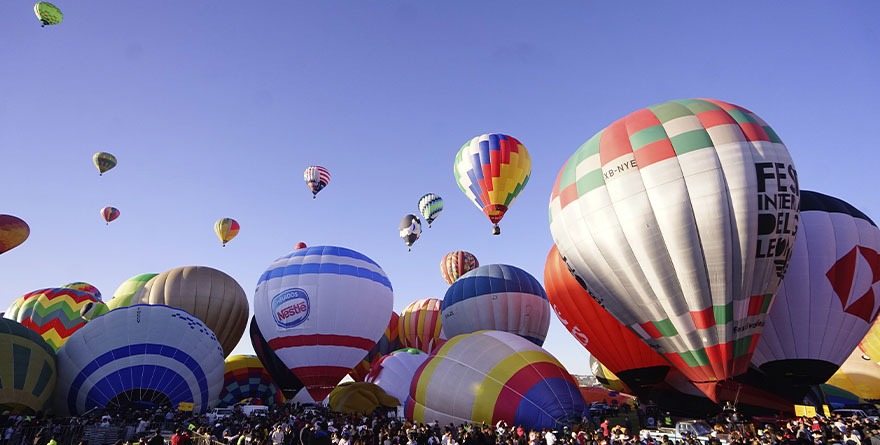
<point>278,435</point>
<point>156,439</point>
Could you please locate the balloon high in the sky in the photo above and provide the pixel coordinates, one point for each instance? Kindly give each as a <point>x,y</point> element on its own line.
<point>680,219</point>
<point>13,232</point>
<point>27,369</point>
<point>611,343</point>
<point>456,264</point>
<point>247,380</point>
<point>389,343</point>
<point>410,230</point>
<point>103,162</point>
<point>490,376</point>
<point>421,325</point>
<point>499,297</point>
<point>430,205</point>
<point>109,214</point>
<point>491,170</point>
<point>316,178</point>
<point>207,293</point>
<point>832,284</point>
<point>141,353</point>
<point>48,13</point>
<point>321,309</point>
<point>226,229</point>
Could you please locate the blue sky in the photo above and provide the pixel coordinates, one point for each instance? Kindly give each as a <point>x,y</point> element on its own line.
<point>214,109</point>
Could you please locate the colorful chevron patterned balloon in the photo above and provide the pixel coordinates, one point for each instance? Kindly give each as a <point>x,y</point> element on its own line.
<point>53,313</point>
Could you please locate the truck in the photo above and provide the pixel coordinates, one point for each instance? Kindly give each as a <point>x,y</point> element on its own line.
<point>255,410</point>
<point>697,428</point>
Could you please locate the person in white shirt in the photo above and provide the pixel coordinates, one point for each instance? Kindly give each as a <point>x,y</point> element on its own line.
<point>278,435</point>
<point>549,438</point>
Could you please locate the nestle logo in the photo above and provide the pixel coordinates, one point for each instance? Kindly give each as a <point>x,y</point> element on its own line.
<point>291,308</point>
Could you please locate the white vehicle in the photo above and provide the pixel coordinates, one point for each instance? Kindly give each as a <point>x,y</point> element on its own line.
<point>697,428</point>
<point>216,414</point>
<point>857,413</point>
<point>255,410</point>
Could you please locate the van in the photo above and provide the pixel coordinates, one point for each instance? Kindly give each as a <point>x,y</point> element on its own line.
<point>216,414</point>
<point>255,410</point>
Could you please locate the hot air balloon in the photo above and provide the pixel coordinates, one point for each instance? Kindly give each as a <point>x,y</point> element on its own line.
<point>103,162</point>
<point>54,313</point>
<point>316,178</point>
<point>84,287</point>
<point>430,205</point>
<point>611,343</point>
<point>281,375</point>
<point>456,264</point>
<point>605,377</point>
<point>247,379</point>
<point>489,376</point>
<point>680,219</point>
<point>870,344</point>
<point>28,370</point>
<point>209,294</point>
<point>48,13</point>
<point>321,309</point>
<point>859,376</point>
<point>93,309</point>
<point>421,325</point>
<point>394,372</point>
<point>410,230</point>
<point>359,398</point>
<point>142,353</point>
<point>491,170</point>
<point>13,232</point>
<point>226,229</point>
<point>299,245</point>
<point>109,214</point>
<point>389,343</point>
<point>832,279</point>
<point>128,289</point>
<point>499,297</point>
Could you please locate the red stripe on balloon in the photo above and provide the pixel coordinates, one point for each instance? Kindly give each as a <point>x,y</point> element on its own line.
<point>511,395</point>
<point>321,340</point>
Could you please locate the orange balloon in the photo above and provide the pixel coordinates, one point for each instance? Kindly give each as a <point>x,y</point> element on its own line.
<point>13,232</point>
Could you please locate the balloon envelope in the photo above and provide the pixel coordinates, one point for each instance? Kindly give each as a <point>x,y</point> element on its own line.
<point>870,344</point>
<point>128,289</point>
<point>455,264</point>
<point>246,379</point>
<point>394,372</point>
<point>490,376</point>
<point>53,313</point>
<point>27,369</point>
<point>858,376</point>
<point>680,219</point>
<point>321,309</point>
<point>491,170</point>
<point>226,229</point>
<point>389,343</point>
<point>421,325</point>
<point>831,283</point>
<point>611,343</point>
<point>359,398</point>
<point>209,294</point>
<point>13,232</point>
<point>109,214</point>
<point>103,161</point>
<point>84,287</point>
<point>281,375</point>
<point>498,297</point>
<point>316,178</point>
<point>430,205</point>
<point>146,353</point>
<point>410,229</point>
<point>48,14</point>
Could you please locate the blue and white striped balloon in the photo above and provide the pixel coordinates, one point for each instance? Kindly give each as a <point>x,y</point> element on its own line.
<point>430,205</point>
<point>150,353</point>
<point>321,309</point>
<point>497,297</point>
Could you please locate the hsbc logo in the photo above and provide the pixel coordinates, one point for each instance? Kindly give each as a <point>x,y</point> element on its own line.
<point>855,278</point>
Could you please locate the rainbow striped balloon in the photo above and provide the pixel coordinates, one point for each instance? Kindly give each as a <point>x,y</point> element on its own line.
<point>489,376</point>
<point>421,325</point>
<point>247,379</point>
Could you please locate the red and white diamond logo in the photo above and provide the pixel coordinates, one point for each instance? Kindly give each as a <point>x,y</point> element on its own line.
<point>854,278</point>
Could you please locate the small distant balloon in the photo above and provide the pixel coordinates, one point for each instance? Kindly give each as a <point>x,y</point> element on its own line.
<point>316,178</point>
<point>410,230</point>
<point>103,162</point>
<point>226,229</point>
<point>110,214</point>
<point>300,245</point>
<point>48,13</point>
<point>13,232</point>
<point>430,206</point>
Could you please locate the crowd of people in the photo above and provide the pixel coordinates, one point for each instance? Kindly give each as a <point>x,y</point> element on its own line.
<point>316,425</point>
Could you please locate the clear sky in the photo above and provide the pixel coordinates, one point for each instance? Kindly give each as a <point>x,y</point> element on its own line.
<point>214,109</point>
